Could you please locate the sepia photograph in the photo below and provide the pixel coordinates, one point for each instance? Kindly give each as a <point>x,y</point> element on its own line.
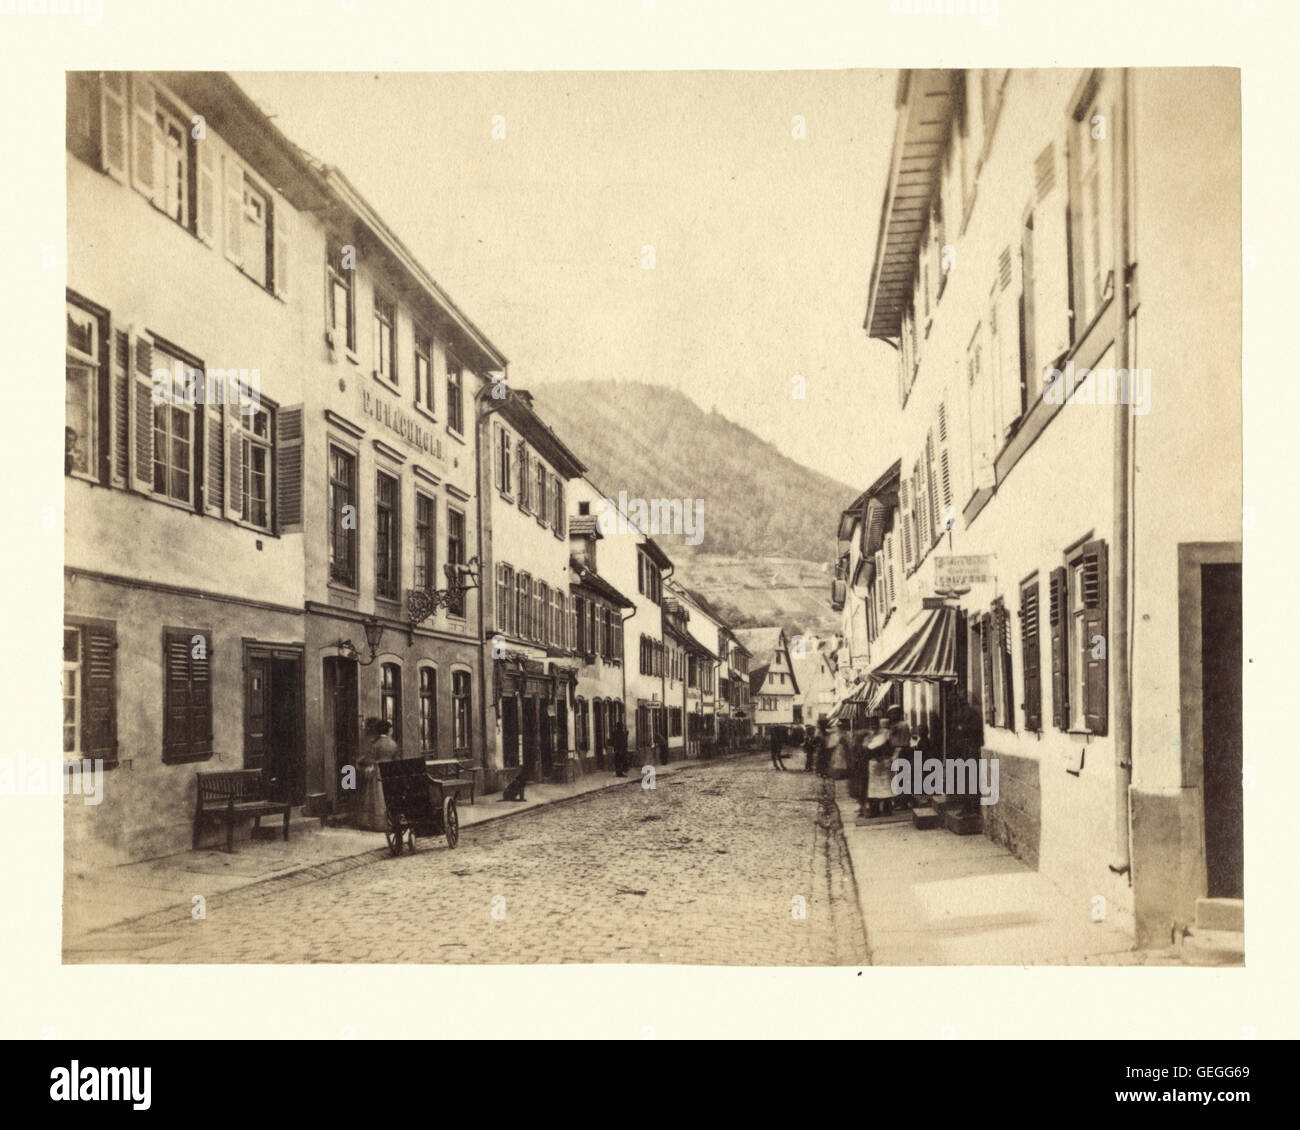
<point>707,517</point>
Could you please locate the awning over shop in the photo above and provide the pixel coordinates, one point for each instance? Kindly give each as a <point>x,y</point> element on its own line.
<point>929,655</point>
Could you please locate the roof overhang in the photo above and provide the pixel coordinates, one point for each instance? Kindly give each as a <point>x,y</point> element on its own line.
<point>925,103</point>
<point>517,408</point>
<point>594,583</point>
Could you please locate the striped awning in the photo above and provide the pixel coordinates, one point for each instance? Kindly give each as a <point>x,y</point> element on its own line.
<point>928,656</point>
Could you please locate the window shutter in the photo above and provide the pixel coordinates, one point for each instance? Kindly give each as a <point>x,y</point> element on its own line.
<point>945,466</point>
<point>233,190</point>
<point>986,661</point>
<point>523,477</point>
<point>1029,656</point>
<point>205,211</point>
<point>99,692</point>
<point>1056,621</point>
<point>121,463</point>
<point>143,129</point>
<point>177,740</point>
<point>234,464</point>
<point>281,241</point>
<point>889,569</point>
<point>1003,632</point>
<point>287,469</point>
<point>112,124</point>
<point>932,488</point>
<point>142,415</point>
<point>497,458</point>
<point>214,438</point>
<point>1096,641</point>
<point>905,507</point>
<point>1051,266</point>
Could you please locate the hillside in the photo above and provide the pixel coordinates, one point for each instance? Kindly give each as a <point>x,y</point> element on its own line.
<point>768,522</point>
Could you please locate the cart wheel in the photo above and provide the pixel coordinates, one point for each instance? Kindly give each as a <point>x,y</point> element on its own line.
<point>450,821</point>
<point>393,835</point>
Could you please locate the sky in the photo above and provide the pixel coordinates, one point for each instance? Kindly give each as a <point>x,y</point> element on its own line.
<point>762,241</point>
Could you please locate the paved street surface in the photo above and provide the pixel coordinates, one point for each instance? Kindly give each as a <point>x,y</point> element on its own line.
<point>724,863</point>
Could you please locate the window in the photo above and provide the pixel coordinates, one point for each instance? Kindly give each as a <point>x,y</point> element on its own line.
<point>426,542</point>
<point>173,430</point>
<point>996,658</point>
<point>341,320</point>
<point>1031,679</point>
<point>648,580</point>
<point>580,736</point>
<point>255,234</point>
<point>90,690</point>
<point>423,371</point>
<point>505,597</point>
<point>385,321</point>
<point>83,115</point>
<point>525,478</point>
<point>581,617</point>
<point>460,713</point>
<point>542,611</point>
<point>82,368</point>
<point>187,695</point>
<point>540,496</point>
<point>1077,611</point>
<point>557,618</point>
<point>72,691</point>
<point>455,401</point>
<point>523,605</point>
<point>254,455</point>
<point>557,506</point>
<point>504,468</point>
<point>386,544</point>
<point>675,722</point>
<point>172,148</point>
<point>455,557</point>
<point>1091,199</point>
<point>390,698</point>
<point>343,517</point>
<point>428,710</point>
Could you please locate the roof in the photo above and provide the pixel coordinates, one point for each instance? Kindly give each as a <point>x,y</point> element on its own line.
<point>925,101</point>
<point>589,579</point>
<point>657,555</point>
<point>759,641</point>
<point>585,525</point>
<point>517,408</point>
<point>757,677</point>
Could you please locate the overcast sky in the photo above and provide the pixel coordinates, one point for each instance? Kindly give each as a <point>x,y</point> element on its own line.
<point>762,242</point>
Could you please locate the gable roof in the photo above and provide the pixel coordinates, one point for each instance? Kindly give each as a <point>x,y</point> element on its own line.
<point>759,642</point>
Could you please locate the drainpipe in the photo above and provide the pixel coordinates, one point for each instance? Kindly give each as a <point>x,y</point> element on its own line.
<point>1119,646</point>
<point>486,568</point>
<point>623,635</point>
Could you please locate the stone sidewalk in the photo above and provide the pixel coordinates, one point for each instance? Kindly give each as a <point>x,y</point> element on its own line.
<point>934,898</point>
<point>96,899</point>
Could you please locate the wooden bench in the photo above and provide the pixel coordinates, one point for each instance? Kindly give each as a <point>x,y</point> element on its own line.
<point>452,769</point>
<point>234,792</point>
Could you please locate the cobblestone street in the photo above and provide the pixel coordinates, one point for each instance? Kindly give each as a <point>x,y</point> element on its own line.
<point>725,863</point>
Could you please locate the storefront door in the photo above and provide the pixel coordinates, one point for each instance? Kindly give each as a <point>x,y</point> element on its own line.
<point>341,720</point>
<point>273,720</point>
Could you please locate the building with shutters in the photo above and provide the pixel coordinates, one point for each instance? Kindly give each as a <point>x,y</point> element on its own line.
<point>773,690</point>
<point>690,637</point>
<point>270,447</point>
<point>1055,348</point>
<point>531,647</point>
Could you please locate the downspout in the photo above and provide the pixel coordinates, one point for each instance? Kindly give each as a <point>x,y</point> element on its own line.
<point>663,667</point>
<point>486,566</point>
<point>623,636</point>
<point>1120,634</point>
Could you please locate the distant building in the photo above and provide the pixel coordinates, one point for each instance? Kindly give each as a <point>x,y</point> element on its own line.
<point>773,687</point>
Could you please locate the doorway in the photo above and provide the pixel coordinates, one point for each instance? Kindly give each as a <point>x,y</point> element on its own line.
<point>530,737</point>
<point>273,720</point>
<point>341,720</point>
<point>1221,656</point>
<point>510,732</point>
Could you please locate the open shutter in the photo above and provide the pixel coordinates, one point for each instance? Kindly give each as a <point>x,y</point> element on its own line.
<point>141,420</point>
<point>234,463</point>
<point>932,489</point>
<point>113,130</point>
<point>99,693</point>
<point>214,477</point>
<point>905,510</point>
<point>1030,659</point>
<point>144,173</point>
<point>281,241</point>
<point>524,471</point>
<point>233,193</point>
<point>205,224</point>
<point>1096,641</point>
<point>1051,265</point>
<point>1056,621</point>
<point>176,675</point>
<point>986,668</point>
<point>945,470</point>
<point>889,570</point>
<point>497,458</point>
<point>573,626</point>
<point>121,400</point>
<point>1002,620</point>
<point>288,463</point>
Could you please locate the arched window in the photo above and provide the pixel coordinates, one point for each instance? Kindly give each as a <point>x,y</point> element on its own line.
<point>428,710</point>
<point>390,698</point>
<point>580,724</point>
<point>460,713</point>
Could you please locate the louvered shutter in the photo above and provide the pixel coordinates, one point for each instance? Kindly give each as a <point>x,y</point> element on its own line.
<point>1002,621</point>
<point>121,461</point>
<point>99,692</point>
<point>523,476</point>
<point>1030,658</point>
<point>889,570</point>
<point>141,421</point>
<point>214,438</point>
<point>1056,615</point>
<point>233,195</point>
<point>1096,641</point>
<point>188,696</point>
<point>234,462</point>
<point>986,662</point>
<point>288,468</point>
<point>144,175</point>
<point>573,623</point>
<point>932,489</point>
<point>205,212</point>
<point>113,130</point>
<point>905,509</point>
<point>1051,263</point>
<point>945,471</point>
<point>281,243</point>
<point>498,459</point>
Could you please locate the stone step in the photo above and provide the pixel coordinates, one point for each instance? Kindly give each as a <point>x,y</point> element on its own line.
<point>1221,914</point>
<point>926,817</point>
<point>1213,947</point>
<point>963,823</point>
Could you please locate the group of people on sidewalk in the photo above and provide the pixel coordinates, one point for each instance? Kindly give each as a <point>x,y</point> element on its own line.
<point>866,757</point>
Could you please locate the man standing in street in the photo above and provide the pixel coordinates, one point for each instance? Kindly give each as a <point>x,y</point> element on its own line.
<point>776,742</point>
<point>620,750</point>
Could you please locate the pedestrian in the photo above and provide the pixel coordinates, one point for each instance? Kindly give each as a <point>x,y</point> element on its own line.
<point>877,785</point>
<point>775,741</point>
<point>809,748</point>
<point>900,741</point>
<point>620,750</point>
<point>371,812</point>
<point>826,747</point>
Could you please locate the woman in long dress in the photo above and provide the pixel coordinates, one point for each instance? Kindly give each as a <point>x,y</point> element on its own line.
<point>371,814</point>
<point>879,752</point>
